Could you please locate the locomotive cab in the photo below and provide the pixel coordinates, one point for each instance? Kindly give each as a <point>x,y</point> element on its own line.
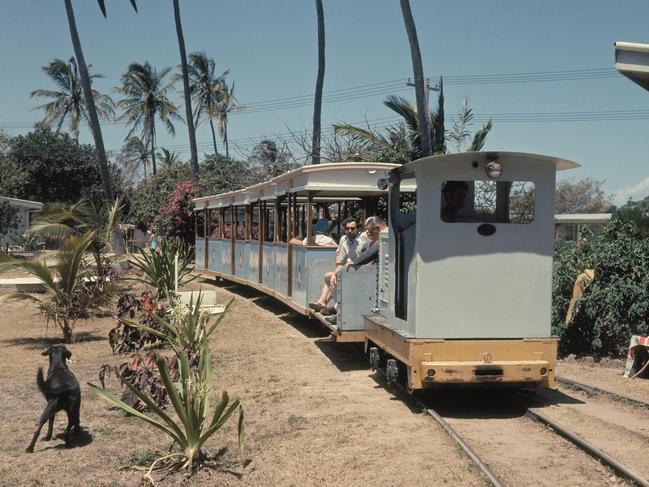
<point>466,277</point>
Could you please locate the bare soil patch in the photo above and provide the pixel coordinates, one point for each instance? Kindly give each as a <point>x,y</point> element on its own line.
<point>607,375</point>
<point>315,415</point>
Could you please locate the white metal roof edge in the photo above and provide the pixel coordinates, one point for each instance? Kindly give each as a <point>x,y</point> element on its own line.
<point>582,217</point>
<point>313,168</point>
<point>560,164</point>
<point>25,203</point>
<point>631,47</point>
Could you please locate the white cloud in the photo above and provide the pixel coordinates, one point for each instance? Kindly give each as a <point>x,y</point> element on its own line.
<point>635,191</point>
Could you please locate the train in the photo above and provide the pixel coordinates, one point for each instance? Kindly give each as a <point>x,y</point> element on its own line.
<point>461,293</point>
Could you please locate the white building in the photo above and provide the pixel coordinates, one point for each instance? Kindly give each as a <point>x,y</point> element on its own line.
<point>26,211</point>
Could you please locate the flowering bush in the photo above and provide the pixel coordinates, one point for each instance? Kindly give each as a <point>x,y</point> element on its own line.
<point>176,217</point>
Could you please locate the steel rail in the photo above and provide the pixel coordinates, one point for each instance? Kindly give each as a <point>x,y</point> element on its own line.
<point>596,390</point>
<point>495,481</point>
<point>587,447</point>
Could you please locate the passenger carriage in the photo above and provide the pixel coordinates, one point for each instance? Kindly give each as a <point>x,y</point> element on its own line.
<point>243,236</point>
<point>468,300</point>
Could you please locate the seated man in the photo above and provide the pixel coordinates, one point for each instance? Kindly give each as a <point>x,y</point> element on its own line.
<point>454,194</point>
<point>368,255</point>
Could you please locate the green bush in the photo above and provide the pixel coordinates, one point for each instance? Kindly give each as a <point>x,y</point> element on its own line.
<point>616,304</point>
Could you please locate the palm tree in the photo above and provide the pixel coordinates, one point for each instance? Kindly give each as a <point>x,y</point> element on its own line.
<point>409,130</point>
<point>68,102</point>
<point>188,108</point>
<point>68,295</point>
<point>418,74</point>
<point>135,154</point>
<point>228,104</point>
<point>206,89</point>
<point>62,220</point>
<point>145,92</point>
<point>317,103</point>
<point>168,158</point>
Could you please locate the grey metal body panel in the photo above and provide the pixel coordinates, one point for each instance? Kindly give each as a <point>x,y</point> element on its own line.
<point>252,261</point>
<point>240,267</point>
<point>199,246</point>
<point>318,262</point>
<point>300,276</point>
<point>268,277</point>
<point>214,255</point>
<point>281,270</point>
<point>224,250</point>
<point>356,294</point>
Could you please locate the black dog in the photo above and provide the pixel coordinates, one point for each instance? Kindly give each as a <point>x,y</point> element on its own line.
<point>62,391</point>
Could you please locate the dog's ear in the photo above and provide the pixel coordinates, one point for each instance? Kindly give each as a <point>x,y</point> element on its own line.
<point>47,352</point>
<point>68,353</point>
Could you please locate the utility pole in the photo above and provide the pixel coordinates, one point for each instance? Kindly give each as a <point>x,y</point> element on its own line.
<point>427,89</point>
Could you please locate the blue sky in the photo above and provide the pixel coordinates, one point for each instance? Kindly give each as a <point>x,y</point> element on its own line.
<point>270,49</point>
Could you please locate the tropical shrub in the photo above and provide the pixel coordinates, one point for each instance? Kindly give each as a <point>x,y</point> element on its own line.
<point>28,242</point>
<point>616,304</point>
<point>190,397</point>
<point>72,290</point>
<point>125,338</point>
<point>142,373</point>
<point>176,217</point>
<point>158,267</point>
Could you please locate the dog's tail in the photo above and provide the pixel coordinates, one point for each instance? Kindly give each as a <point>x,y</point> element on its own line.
<point>40,381</point>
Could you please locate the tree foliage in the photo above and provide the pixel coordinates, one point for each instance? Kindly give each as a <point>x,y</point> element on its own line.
<point>52,167</point>
<point>176,217</point>
<point>616,304</point>
<point>9,218</point>
<point>583,196</point>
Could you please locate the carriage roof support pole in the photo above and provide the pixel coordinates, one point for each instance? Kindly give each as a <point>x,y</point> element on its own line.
<point>233,234</point>
<point>261,234</point>
<point>248,232</point>
<point>309,221</point>
<point>340,215</point>
<point>206,239</point>
<point>363,212</point>
<point>278,223</point>
<point>289,230</point>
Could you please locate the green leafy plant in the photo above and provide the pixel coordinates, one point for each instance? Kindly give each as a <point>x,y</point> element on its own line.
<point>72,290</point>
<point>28,242</point>
<point>190,397</point>
<point>125,338</point>
<point>188,326</point>
<point>158,267</point>
<point>616,304</point>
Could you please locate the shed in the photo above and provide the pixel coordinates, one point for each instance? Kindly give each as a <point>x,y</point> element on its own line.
<point>26,211</point>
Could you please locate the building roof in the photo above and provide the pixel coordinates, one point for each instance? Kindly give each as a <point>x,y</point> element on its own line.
<point>632,60</point>
<point>582,218</point>
<point>32,205</point>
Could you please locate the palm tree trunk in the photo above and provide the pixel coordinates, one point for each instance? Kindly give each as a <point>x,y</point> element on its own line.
<point>216,152</point>
<point>418,74</point>
<point>188,102</point>
<point>225,139</point>
<point>153,166</point>
<point>67,332</point>
<point>317,104</point>
<point>100,152</point>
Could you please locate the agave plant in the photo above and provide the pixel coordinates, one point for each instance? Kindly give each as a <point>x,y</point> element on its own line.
<point>190,397</point>
<point>158,267</point>
<point>72,291</point>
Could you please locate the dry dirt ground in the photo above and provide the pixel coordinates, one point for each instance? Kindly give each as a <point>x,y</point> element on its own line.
<point>315,413</point>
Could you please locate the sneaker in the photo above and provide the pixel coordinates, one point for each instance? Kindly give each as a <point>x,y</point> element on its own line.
<point>328,311</point>
<point>333,319</point>
<point>317,307</point>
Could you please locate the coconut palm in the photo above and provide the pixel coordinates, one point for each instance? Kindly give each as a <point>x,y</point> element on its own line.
<point>409,129</point>
<point>69,293</point>
<point>67,103</point>
<point>186,92</point>
<point>228,103</point>
<point>418,74</point>
<point>206,89</point>
<point>145,99</point>
<point>135,154</point>
<point>168,158</point>
<point>317,104</point>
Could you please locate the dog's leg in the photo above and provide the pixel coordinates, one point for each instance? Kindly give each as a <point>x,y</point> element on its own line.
<point>50,410</point>
<point>73,427</point>
<point>50,427</point>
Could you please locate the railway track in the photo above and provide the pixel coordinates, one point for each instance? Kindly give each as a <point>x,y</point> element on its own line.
<point>512,443</point>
